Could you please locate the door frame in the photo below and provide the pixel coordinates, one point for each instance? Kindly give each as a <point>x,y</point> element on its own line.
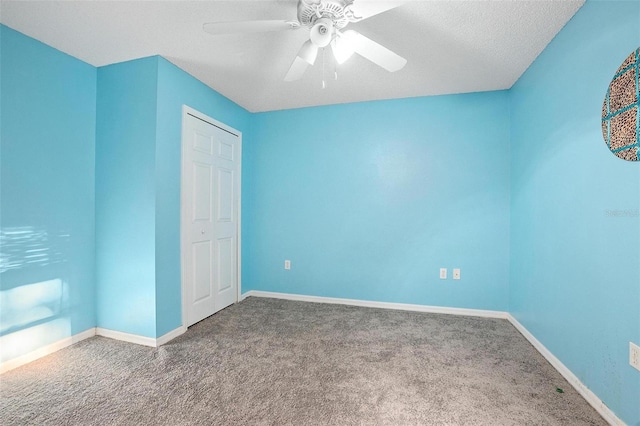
<point>186,111</point>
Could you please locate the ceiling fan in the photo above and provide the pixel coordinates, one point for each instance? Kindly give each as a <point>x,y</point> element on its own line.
<point>325,20</point>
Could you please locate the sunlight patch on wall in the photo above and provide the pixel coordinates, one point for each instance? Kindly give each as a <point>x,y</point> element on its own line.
<point>28,246</point>
<point>30,339</point>
<point>27,304</point>
<point>33,313</point>
<point>32,316</point>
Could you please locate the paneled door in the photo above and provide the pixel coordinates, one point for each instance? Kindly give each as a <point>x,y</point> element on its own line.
<point>210,214</point>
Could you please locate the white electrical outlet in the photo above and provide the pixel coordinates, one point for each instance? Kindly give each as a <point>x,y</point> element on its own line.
<point>287,264</point>
<point>634,355</point>
<point>443,273</point>
<point>456,274</point>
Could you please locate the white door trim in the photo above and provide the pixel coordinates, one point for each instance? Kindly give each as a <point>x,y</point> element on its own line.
<point>186,110</point>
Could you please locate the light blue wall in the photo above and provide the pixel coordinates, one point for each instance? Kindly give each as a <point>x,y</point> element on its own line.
<point>138,190</point>
<point>575,267</point>
<point>369,200</point>
<point>47,228</point>
<point>177,88</point>
<point>125,196</point>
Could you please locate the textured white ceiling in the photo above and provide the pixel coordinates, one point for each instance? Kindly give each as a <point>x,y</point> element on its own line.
<point>451,46</point>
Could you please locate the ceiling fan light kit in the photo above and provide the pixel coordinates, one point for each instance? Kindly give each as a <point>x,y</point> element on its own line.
<point>324,19</point>
<point>322,32</point>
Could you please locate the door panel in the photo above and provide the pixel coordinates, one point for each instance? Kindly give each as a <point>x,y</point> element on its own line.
<point>202,271</point>
<point>202,192</point>
<point>225,260</point>
<point>226,151</point>
<point>225,197</point>
<point>203,142</point>
<point>210,218</point>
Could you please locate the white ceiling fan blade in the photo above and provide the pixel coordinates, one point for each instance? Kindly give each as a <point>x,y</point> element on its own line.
<point>305,57</point>
<point>363,9</point>
<point>297,69</point>
<point>374,52</point>
<point>249,27</point>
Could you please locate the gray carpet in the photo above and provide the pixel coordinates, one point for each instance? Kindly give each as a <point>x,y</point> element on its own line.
<point>275,362</point>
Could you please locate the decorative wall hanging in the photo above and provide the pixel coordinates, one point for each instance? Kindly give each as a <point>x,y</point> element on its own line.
<point>621,110</point>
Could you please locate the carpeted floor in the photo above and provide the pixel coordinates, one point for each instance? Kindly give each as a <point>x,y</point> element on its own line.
<point>276,362</point>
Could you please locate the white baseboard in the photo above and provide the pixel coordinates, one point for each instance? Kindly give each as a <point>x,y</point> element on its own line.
<point>170,335</point>
<point>573,380</point>
<point>126,337</point>
<point>140,340</point>
<point>380,305</point>
<point>93,331</point>
<point>46,350</point>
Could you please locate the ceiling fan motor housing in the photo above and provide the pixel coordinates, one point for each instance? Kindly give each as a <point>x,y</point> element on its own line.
<point>336,11</point>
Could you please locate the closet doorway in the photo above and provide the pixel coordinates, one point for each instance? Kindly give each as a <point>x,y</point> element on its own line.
<point>210,216</point>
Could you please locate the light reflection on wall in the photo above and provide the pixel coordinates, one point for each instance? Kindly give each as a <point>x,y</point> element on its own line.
<point>32,314</point>
<point>29,339</point>
<point>24,305</point>
<point>24,246</point>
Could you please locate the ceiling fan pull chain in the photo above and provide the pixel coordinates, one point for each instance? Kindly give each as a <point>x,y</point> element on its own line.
<point>323,82</point>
